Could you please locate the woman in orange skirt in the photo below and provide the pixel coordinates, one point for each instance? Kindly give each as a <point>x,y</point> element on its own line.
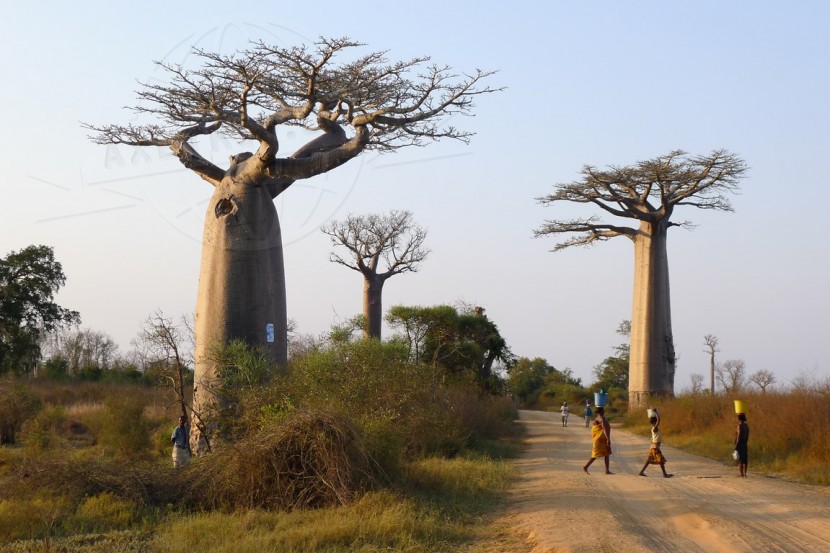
<point>600,440</point>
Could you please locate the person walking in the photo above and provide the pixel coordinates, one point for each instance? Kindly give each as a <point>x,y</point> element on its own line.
<point>741,441</point>
<point>600,440</point>
<point>588,414</point>
<point>564,411</point>
<point>655,455</point>
<point>181,443</point>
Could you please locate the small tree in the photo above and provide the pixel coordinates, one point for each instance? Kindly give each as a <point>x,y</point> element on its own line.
<point>379,247</point>
<point>696,383</point>
<point>731,374</point>
<point>646,193</point>
<point>29,280</point>
<point>165,347</point>
<point>711,343</point>
<point>763,379</point>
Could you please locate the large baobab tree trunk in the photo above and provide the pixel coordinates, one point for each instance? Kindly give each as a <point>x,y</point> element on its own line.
<point>652,363</point>
<point>373,304</point>
<point>241,288</point>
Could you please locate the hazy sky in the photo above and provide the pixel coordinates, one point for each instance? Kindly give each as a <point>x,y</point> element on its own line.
<point>600,83</point>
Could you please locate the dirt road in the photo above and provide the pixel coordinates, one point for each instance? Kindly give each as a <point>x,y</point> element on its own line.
<point>706,507</point>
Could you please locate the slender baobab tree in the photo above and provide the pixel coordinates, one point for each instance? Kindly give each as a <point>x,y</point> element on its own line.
<point>379,247</point>
<point>711,343</point>
<point>647,193</point>
<point>361,103</point>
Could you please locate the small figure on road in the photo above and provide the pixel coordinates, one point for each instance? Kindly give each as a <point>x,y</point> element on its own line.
<point>601,441</point>
<point>741,440</point>
<point>588,414</point>
<point>655,455</point>
<point>564,411</point>
<point>181,443</point>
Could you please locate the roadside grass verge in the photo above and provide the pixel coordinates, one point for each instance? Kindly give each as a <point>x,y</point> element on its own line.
<point>789,431</point>
<point>440,509</point>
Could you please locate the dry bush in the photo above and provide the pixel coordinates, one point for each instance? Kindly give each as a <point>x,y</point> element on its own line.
<point>306,460</point>
<point>77,476</point>
<point>482,417</point>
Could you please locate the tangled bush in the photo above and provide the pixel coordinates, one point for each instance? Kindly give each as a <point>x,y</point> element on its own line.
<point>306,459</point>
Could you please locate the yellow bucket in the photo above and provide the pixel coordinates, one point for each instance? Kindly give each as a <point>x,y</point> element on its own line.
<point>740,406</point>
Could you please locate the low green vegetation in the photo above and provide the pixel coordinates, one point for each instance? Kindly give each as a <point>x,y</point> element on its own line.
<point>356,447</point>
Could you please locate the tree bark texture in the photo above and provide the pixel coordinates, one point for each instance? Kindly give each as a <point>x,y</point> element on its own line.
<point>241,287</point>
<point>652,364</point>
<point>373,304</point>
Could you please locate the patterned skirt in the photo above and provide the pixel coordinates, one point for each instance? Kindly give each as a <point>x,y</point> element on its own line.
<point>655,456</point>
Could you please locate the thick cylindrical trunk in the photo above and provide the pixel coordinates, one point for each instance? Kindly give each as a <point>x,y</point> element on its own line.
<point>241,289</point>
<point>652,362</point>
<point>373,305</point>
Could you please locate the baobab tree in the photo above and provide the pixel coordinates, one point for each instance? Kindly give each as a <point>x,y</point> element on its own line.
<point>711,343</point>
<point>763,379</point>
<point>359,104</point>
<point>647,193</point>
<point>379,247</point>
<point>732,375</point>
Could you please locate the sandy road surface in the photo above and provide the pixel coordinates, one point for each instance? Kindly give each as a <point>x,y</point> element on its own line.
<point>706,507</point>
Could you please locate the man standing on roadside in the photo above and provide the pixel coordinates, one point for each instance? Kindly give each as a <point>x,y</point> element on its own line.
<point>181,443</point>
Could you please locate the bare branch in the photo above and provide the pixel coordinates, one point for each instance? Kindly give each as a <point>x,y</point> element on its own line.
<point>647,192</point>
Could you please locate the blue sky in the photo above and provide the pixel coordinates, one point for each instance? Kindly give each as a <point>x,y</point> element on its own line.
<point>595,83</point>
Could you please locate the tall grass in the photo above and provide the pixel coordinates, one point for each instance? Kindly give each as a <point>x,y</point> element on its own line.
<point>789,431</point>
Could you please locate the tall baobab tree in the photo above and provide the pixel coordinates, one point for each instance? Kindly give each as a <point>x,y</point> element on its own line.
<point>361,103</point>
<point>379,247</point>
<point>647,193</point>
<point>711,343</point>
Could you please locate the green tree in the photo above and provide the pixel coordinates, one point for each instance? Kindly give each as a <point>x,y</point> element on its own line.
<point>613,371</point>
<point>647,194</point>
<point>465,344</point>
<point>526,377</point>
<point>29,279</point>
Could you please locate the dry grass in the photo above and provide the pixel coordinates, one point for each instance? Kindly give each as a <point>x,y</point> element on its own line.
<point>789,432</point>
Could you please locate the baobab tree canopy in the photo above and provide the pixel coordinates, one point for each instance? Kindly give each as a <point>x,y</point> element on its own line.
<point>647,193</point>
<point>350,102</point>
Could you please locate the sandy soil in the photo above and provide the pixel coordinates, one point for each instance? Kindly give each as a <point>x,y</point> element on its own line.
<point>706,507</point>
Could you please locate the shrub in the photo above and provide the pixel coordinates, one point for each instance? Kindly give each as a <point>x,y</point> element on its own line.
<point>101,513</point>
<point>307,459</point>
<point>121,427</point>
<point>17,405</point>
<point>46,429</point>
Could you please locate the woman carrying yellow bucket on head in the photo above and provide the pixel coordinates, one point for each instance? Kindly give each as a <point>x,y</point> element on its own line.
<point>742,437</point>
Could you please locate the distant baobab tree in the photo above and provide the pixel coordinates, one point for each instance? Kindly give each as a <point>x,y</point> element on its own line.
<point>647,193</point>
<point>363,102</point>
<point>711,343</point>
<point>379,247</point>
<point>763,379</point>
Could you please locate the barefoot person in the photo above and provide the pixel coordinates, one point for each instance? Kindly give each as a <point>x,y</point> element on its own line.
<point>601,440</point>
<point>741,440</point>
<point>564,411</point>
<point>655,455</point>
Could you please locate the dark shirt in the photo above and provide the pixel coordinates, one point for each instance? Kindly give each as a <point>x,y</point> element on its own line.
<point>743,434</point>
<point>180,437</point>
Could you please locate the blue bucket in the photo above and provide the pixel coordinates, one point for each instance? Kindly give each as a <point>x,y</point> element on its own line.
<point>600,399</point>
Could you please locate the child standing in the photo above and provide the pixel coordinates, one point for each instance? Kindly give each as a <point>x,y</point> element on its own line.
<point>655,456</point>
